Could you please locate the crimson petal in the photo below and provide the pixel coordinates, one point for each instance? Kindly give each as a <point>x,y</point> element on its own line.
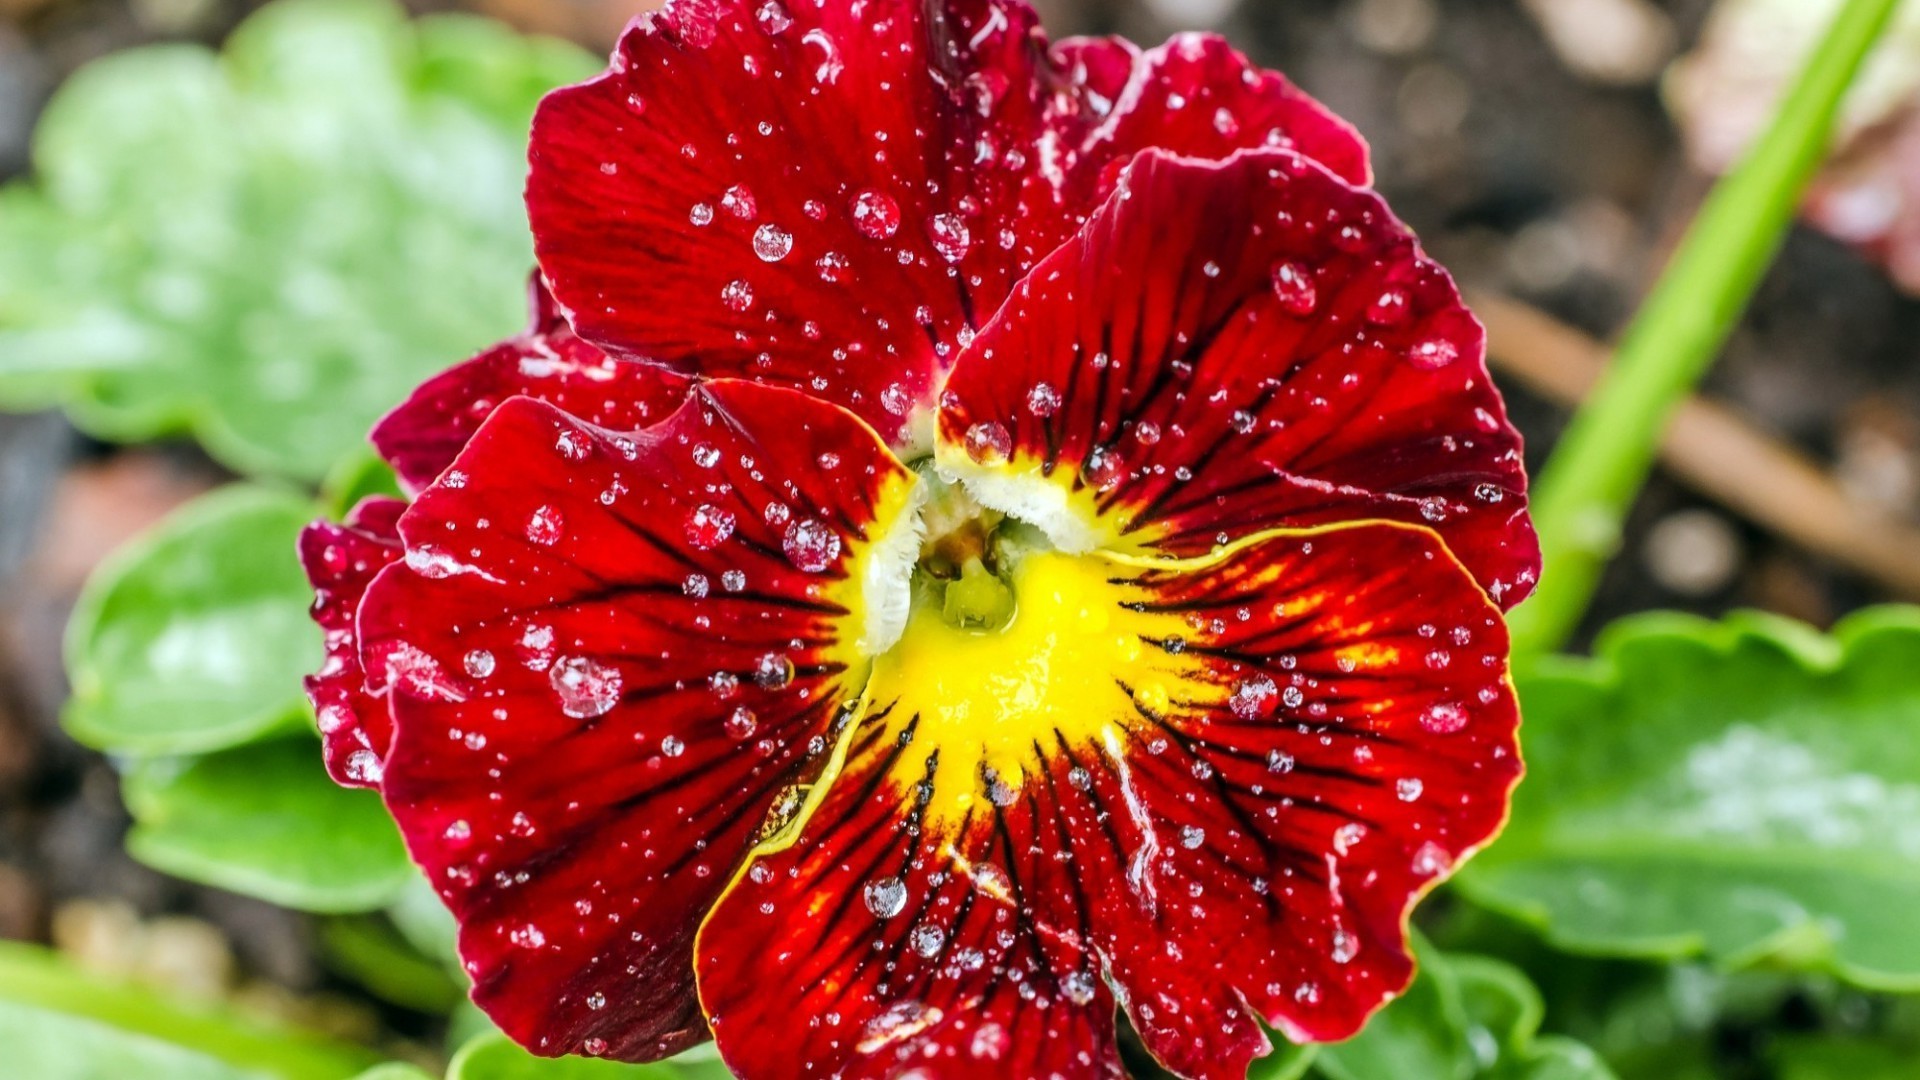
<point>1218,785</point>
<point>341,561</point>
<point>1276,351</point>
<point>831,196</point>
<point>423,436</point>
<point>610,656</point>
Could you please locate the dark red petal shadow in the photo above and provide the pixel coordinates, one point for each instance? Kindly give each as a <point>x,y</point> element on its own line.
<point>1236,347</point>
<point>1338,734</point>
<point>830,196</point>
<point>341,561</point>
<point>423,436</point>
<point>609,657</point>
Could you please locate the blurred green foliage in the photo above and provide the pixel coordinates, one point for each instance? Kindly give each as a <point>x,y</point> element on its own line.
<point>268,248</point>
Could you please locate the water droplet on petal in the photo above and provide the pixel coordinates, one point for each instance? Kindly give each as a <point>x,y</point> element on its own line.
<point>1254,698</point>
<point>950,236</point>
<point>737,296</point>
<point>741,724</point>
<point>772,243</point>
<point>480,663</point>
<point>875,214</point>
<point>1043,400</point>
<point>739,202</point>
<point>587,688</point>
<point>989,443</point>
<point>1408,788</point>
<point>1433,353</point>
<point>811,545</point>
<point>544,526</point>
<point>1444,718</point>
<point>709,526</point>
<point>886,897</point>
<point>773,18</point>
<point>926,940</point>
<point>1293,286</point>
<point>364,767</point>
<point>1079,987</point>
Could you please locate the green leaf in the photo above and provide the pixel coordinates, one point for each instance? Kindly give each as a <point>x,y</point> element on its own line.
<point>1464,1018</point>
<point>270,248</point>
<point>1287,1062</point>
<point>47,1045</point>
<point>266,821</point>
<point>1746,791</point>
<point>1813,1058</point>
<point>495,1057</point>
<point>394,1071</point>
<point>60,1023</point>
<point>196,636</point>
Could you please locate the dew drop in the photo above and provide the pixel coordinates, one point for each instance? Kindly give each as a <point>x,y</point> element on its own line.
<point>772,243</point>
<point>1043,400</point>
<point>1433,353</point>
<point>926,940</point>
<point>773,672</point>
<point>875,214</point>
<point>1079,987</point>
<point>989,443</point>
<point>1345,947</point>
<point>1444,718</point>
<point>1254,698</point>
<point>587,688</point>
<point>741,724</point>
<point>364,767</point>
<point>1105,469</point>
<point>1391,308</point>
<point>1293,287</point>
<point>480,663</point>
<point>739,202</point>
<point>709,526</point>
<point>886,897</point>
<point>950,236</point>
<point>811,545</point>
<point>544,526</point>
<point>672,746</point>
<point>737,296</point>
<point>1408,788</point>
<point>773,18</point>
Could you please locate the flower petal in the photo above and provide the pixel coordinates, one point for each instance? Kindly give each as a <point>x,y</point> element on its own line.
<point>610,656</point>
<point>341,561</point>
<point>1219,784</point>
<point>1273,350</point>
<point>423,436</point>
<point>1195,96</point>
<point>831,196</point>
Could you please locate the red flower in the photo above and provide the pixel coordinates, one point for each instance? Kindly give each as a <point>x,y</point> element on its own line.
<point>1017,530</point>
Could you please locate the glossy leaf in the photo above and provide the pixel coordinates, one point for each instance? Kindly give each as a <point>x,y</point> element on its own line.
<point>1464,1018</point>
<point>269,247</point>
<point>58,1022</point>
<point>47,1045</point>
<point>495,1057</point>
<point>1744,791</point>
<point>266,821</point>
<point>195,638</point>
<point>1812,1058</point>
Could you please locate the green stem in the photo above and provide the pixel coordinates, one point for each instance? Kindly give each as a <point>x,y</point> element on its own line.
<point>1582,496</point>
<point>33,976</point>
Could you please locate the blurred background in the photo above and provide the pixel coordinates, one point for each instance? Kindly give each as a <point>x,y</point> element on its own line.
<point>1547,152</point>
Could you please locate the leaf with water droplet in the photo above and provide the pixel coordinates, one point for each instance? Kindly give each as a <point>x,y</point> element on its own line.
<point>1747,790</point>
